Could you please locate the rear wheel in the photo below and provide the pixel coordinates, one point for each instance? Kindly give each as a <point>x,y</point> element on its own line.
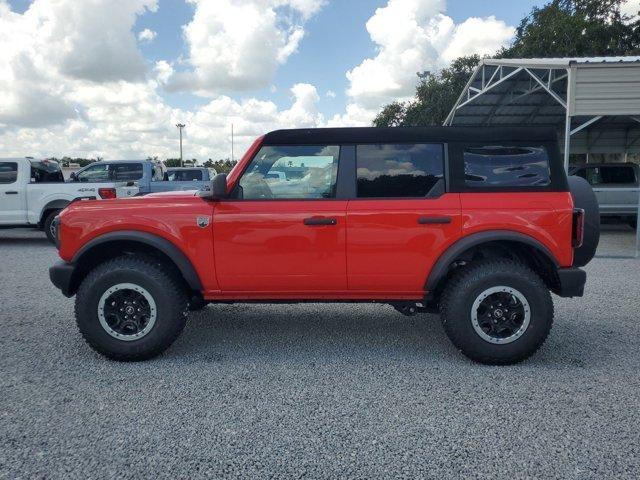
<point>131,308</point>
<point>497,311</point>
<point>48,225</point>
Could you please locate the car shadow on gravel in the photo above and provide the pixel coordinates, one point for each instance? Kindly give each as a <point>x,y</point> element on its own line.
<point>25,241</point>
<point>316,332</point>
<point>309,331</point>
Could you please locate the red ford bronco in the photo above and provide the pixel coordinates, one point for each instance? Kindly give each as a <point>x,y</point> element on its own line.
<point>478,224</point>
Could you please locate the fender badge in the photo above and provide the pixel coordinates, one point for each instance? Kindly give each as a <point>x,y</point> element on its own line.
<point>202,222</point>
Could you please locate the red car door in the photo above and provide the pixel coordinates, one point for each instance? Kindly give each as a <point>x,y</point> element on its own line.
<point>401,221</point>
<point>284,233</point>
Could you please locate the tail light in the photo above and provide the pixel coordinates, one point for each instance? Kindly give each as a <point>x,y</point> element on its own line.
<point>106,193</point>
<point>577,236</point>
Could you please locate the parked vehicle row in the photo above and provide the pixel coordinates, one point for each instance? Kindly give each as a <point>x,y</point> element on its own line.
<point>613,184</point>
<point>33,192</point>
<point>478,224</point>
<point>149,176</point>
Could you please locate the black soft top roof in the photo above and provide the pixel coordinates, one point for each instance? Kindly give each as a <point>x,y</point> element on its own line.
<point>315,136</point>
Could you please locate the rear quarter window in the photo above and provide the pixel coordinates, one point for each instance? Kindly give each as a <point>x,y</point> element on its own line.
<point>496,166</point>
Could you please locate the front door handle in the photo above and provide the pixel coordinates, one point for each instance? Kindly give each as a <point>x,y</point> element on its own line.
<point>11,193</point>
<point>434,220</point>
<point>318,221</point>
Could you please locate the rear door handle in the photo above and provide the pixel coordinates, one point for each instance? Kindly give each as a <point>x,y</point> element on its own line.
<point>11,193</point>
<point>318,221</point>
<point>434,220</point>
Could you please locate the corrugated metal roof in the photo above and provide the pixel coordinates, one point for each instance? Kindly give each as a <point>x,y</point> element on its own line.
<point>558,62</point>
<point>536,91</point>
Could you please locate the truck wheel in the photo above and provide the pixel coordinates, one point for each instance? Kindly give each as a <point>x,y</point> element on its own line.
<point>48,224</point>
<point>130,308</point>
<point>497,311</point>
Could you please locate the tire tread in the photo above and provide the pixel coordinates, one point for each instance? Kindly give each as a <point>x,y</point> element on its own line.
<point>475,272</point>
<point>151,267</point>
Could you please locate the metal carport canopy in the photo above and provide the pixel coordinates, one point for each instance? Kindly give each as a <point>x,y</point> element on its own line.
<point>593,101</point>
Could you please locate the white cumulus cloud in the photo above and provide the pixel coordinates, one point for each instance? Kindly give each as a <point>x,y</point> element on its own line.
<point>630,8</point>
<point>237,45</point>
<point>147,35</point>
<point>414,36</point>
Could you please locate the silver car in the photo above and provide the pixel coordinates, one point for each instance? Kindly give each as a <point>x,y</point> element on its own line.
<point>611,183</point>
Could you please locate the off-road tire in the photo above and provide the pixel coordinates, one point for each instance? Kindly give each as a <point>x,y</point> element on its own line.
<point>466,285</point>
<point>46,226</point>
<point>158,280</point>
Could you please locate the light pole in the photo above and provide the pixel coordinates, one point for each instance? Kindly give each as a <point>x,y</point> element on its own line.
<point>180,127</point>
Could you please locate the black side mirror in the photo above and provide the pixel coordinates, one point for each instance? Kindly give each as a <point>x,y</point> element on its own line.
<point>219,186</point>
<point>73,177</point>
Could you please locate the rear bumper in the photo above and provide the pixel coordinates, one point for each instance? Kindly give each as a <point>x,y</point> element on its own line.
<point>61,274</point>
<point>571,282</point>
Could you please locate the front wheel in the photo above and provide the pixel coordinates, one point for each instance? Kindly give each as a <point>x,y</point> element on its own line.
<point>497,311</point>
<point>131,308</point>
<point>49,227</point>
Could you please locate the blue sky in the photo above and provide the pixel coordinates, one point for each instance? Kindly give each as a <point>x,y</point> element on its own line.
<point>336,41</point>
<point>79,80</point>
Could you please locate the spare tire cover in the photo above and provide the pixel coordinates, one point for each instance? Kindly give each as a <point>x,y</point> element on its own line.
<point>584,198</point>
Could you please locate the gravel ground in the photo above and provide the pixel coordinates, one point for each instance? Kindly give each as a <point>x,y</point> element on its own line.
<point>317,391</point>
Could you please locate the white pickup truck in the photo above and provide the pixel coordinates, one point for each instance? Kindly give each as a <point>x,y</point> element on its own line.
<point>33,192</point>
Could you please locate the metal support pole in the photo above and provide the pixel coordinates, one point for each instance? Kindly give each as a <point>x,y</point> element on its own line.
<point>567,124</point>
<point>180,127</point>
<point>567,141</point>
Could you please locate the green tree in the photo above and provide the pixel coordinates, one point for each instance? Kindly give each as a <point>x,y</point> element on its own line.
<point>562,28</point>
<point>578,28</point>
<point>435,96</point>
<point>220,166</point>
<point>172,162</point>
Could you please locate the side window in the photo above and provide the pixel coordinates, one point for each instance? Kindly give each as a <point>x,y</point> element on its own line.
<point>8,172</point>
<point>126,171</point>
<point>621,175</point>
<point>500,166</point>
<point>591,175</point>
<point>403,170</point>
<point>293,172</point>
<point>184,175</point>
<point>94,173</point>
<point>46,172</point>
<point>158,173</point>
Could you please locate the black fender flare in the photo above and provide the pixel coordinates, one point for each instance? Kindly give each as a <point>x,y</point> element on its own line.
<point>165,246</point>
<point>441,267</point>
<point>59,204</point>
